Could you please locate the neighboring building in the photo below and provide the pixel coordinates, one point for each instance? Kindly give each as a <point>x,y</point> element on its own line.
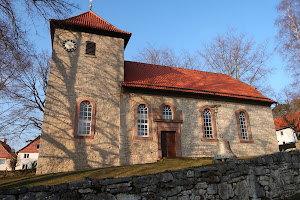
<point>285,134</point>
<point>103,111</point>
<point>29,154</point>
<point>6,154</point>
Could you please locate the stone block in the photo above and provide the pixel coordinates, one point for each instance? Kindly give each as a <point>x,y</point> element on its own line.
<point>225,190</point>
<point>168,192</point>
<point>212,189</point>
<point>128,197</point>
<point>241,190</point>
<point>80,184</point>
<point>8,197</point>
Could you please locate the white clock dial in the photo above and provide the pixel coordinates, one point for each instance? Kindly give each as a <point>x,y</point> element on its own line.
<point>69,45</point>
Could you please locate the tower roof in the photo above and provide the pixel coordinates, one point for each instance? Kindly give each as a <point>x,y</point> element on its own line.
<point>90,22</point>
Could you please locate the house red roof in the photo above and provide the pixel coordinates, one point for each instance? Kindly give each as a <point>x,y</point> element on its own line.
<point>31,147</point>
<point>90,20</point>
<point>5,150</point>
<point>159,77</point>
<point>282,122</point>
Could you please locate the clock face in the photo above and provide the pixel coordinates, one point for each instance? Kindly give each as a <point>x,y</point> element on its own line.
<point>69,45</point>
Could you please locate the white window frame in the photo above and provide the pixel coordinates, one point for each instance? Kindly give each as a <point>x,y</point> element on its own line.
<point>167,112</point>
<point>37,146</point>
<point>243,126</point>
<point>85,119</point>
<point>142,121</point>
<point>207,123</point>
<point>26,155</point>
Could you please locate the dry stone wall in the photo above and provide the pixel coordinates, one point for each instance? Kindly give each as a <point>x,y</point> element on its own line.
<point>275,176</point>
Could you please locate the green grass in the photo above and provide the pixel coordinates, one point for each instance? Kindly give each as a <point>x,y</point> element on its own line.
<point>25,180</point>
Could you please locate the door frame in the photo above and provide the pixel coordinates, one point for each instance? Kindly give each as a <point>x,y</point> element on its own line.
<point>173,127</point>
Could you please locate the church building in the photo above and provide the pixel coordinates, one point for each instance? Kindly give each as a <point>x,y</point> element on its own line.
<point>103,111</point>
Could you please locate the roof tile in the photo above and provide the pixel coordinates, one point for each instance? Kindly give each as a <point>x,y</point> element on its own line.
<point>186,80</point>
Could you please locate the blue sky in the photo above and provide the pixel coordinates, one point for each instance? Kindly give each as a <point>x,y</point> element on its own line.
<point>182,25</point>
<point>186,25</point>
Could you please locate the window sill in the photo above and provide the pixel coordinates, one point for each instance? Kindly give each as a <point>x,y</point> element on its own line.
<point>142,138</point>
<point>246,141</point>
<point>84,137</point>
<point>90,56</point>
<point>209,140</point>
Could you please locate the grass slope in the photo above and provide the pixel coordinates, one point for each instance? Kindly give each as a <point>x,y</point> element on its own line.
<point>25,180</point>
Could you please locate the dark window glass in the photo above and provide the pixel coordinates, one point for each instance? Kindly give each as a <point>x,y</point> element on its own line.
<point>90,48</point>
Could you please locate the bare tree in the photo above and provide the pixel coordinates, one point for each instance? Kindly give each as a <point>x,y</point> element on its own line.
<point>238,56</point>
<point>167,57</point>
<point>289,34</point>
<point>24,102</point>
<point>23,72</point>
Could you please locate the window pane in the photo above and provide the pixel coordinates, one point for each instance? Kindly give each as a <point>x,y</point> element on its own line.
<point>84,123</point>
<point>207,124</point>
<point>142,119</point>
<point>243,126</point>
<point>167,112</point>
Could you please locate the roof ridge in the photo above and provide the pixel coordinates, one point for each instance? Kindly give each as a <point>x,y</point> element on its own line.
<point>179,68</point>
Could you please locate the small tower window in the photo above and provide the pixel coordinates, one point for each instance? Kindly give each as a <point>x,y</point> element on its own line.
<point>90,48</point>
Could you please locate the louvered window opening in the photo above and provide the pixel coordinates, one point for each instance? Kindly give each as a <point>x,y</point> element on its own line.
<point>167,112</point>
<point>142,120</point>
<point>208,131</point>
<point>243,126</point>
<point>90,48</point>
<point>85,118</point>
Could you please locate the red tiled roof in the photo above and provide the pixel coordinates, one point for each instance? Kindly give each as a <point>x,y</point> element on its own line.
<point>31,147</point>
<point>176,79</point>
<point>282,122</point>
<point>5,150</point>
<point>90,20</point>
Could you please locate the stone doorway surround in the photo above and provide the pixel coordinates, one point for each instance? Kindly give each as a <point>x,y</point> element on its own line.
<point>168,125</point>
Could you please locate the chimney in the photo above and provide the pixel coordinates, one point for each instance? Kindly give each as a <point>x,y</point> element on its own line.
<point>5,141</point>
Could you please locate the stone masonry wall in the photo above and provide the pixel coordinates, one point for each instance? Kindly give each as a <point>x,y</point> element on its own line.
<point>275,176</point>
<point>133,151</point>
<point>75,75</point>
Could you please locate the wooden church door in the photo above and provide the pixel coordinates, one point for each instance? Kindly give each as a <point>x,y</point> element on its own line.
<point>168,144</point>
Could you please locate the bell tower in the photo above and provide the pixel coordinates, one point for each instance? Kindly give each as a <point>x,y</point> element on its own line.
<point>81,122</point>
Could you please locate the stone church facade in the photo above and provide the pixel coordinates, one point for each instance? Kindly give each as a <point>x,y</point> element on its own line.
<point>103,111</point>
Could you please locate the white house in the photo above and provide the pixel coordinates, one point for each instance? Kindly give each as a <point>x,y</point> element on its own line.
<point>286,136</point>
<point>29,154</point>
<point>6,155</point>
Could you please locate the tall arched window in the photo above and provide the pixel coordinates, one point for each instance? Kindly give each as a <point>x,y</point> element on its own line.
<point>207,121</point>
<point>167,112</point>
<point>142,121</point>
<point>84,125</point>
<point>85,119</point>
<point>243,126</point>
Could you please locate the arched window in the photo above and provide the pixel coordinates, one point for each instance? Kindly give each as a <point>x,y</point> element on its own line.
<point>142,121</point>
<point>85,118</point>
<point>209,126</point>
<point>207,121</point>
<point>167,112</point>
<point>243,126</point>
